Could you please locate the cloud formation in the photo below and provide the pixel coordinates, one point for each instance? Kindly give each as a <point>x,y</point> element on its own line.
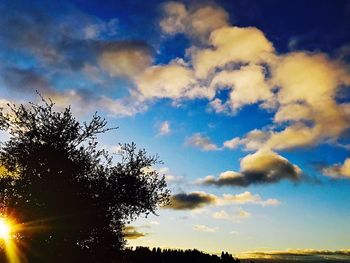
<point>307,102</point>
<point>202,142</point>
<point>299,87</point>
<point>204,228</point>
<point>191,201</point>
<point>195,200</point>
<point>231,44</point>
<point>122,78</point>
<point>246,198</point>
<point>131,232</point>
<point>165,81</point>
<point>338,170</point>
<point>237,216</point>
<point>164,128</point>
<point>261,167</point>
<point>128,60</point>
<point>70,58</point>
<point>248,86</point>
<point>197,22</point>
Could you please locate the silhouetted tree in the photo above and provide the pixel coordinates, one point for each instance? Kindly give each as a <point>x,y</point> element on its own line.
<point>144,254</point>
<point>72,196</point>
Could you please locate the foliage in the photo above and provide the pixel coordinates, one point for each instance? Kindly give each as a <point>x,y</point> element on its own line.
<point>72,197</point>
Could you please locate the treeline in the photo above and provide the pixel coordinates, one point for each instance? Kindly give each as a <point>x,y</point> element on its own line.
<point>137,255</point>
<point>158,255</point>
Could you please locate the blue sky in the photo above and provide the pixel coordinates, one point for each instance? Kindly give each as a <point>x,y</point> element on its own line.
<point>246,102</point>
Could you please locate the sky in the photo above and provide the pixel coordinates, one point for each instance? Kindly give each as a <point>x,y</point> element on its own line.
<point>246,102</point>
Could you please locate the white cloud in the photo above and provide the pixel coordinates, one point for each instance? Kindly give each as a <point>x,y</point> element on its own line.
<point>170,178</point>
<point>197,23</point>
<point>338,170</point>
<point>202,142</point>
<point>299,86</point>
<point>247,85</point>
<point>168,81</point>
<point>219,106</point>
<point>231,44</point>
<point>237,216</point>
<point>308,85</point>
<point>164,128</point>
<point>241,214</point>
<point>222,214</point>
<point>233,143</point>
<point>246,198</point>
<point>204,228</point>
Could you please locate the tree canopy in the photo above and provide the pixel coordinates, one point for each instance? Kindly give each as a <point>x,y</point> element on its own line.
<point>71,196</point>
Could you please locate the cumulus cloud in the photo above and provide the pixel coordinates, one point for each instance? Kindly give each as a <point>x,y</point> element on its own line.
<point>191,201</point>
<point>246,198</point>
<point>195,200</point>
<point>127,59</point>
<point>164,128</point>
<point>237,216</point>
<point>261,167</point>
<point>248,86</point>
<point>204,228</point>
<point>131,232</point>
<point>307,103</point>
<point>338,170</point>
<point>231,44</point>
<point>233,143</point>
<point>202,142</point>
<point>299,87</point>
<point>167,81</point>
<point>196,22</point>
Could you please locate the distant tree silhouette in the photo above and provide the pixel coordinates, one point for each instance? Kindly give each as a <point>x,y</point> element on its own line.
<point>157,255</point>
<point>74,198</point>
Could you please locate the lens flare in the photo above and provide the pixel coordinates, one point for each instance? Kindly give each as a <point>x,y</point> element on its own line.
<point>8,229</point>
<point>5,229</point>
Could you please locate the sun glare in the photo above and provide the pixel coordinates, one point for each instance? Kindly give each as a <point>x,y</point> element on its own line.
<point>5,229</point>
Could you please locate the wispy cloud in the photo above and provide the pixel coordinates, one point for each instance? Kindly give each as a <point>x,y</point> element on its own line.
<point>237,216</point>
<point>204,228</point>
<point>164,128</point>
<point>202,142</point>
<point>309,255</point>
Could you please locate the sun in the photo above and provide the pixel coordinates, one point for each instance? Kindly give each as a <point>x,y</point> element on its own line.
<point>5,229</point>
